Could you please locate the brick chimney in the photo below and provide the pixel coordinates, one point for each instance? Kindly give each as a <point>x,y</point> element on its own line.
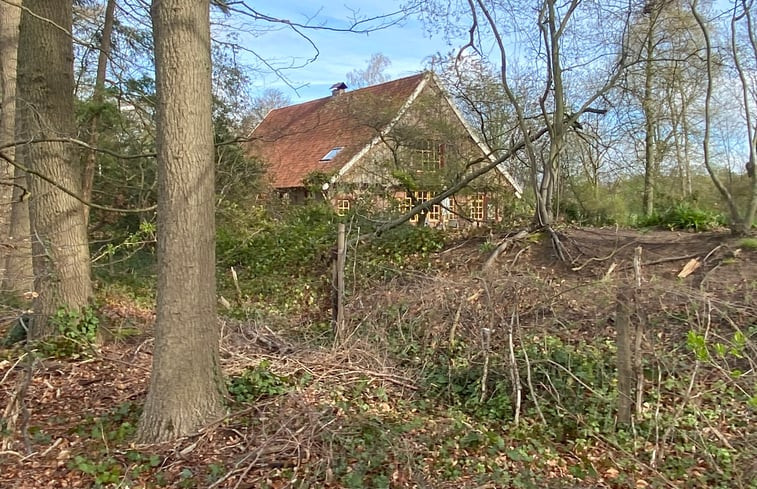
<point>338,88</point>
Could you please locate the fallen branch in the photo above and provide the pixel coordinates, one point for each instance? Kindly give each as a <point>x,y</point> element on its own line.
<point>593,259</point>
<point>502,247</point>
<point>662,260</point>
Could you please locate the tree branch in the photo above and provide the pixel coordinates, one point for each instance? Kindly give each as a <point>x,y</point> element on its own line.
<point>66,191</point>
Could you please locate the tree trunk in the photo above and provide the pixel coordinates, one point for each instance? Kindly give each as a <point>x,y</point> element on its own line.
<point>9,19</point>
<point>17,266</point>
<point>738,225</point>
<point>98,98</point>
<point>686,129</point>
<point>650,124</point>
<point>19,275</point>
<point>186,386</point>
<point>45,85</point>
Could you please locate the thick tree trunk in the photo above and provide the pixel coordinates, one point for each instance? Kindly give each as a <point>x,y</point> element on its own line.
<point>17,273</point>
<point>98,98</point>
<point>186,387</point>
<point>46,87</point>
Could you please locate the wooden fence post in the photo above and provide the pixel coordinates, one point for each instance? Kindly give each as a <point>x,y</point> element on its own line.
<point>338,285</point>
<point>630,368</point>
<point>639,332</point>
<point>625,368</point>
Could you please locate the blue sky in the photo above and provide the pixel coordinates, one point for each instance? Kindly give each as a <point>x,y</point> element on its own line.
<point>408,45</point>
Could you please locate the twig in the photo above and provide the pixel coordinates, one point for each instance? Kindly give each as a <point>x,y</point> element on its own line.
<point>704,260</point>
<point>14,366</point>
<point>486,337</point>
<point>639,333</point>
<point>528,372</point>
<point>514,374</point>
<point>605,258</point>
<point>11,452</point>
<point>616,446</point>
<point>70,193</point>
<point>388,377</point>
<point>576,378</point>
<point>662,260</point>
<point>687,396</point>
<point>517,255</point>
<point>17,407</point>
<point>238,290</point>
<point>455,324</point>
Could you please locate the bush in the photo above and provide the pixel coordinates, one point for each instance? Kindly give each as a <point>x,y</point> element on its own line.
<point>282,259</point>
<point>76,332</point>
<point>283,254</point>
<point>684,216</point>
<point>407,241</point>
<point>257,382</point>
<point>606,207</point>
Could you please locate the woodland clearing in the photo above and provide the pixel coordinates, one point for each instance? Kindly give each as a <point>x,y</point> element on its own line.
<point>423,392</point>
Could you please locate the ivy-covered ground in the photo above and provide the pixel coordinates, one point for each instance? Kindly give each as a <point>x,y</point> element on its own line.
<point>451,376</point>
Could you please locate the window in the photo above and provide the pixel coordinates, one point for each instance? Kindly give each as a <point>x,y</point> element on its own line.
<point>428,156</point>
<point>332,154</point>
<point>477,207</point>
<point>342,207</point>
<point>433,214</point>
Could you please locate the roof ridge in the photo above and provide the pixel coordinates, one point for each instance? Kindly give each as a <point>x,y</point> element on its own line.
<point>420,75</point>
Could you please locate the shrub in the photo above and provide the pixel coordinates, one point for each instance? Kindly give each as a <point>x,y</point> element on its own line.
<point>282,259</point>
<point>683,216</point>
<point>408,240</point>
<point>76,332</point>
<point>257,382</point>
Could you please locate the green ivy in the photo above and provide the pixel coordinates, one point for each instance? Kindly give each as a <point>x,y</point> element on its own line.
<point>257,382</point>
<point>75,333</point>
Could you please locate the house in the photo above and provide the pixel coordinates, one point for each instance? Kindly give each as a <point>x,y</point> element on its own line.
<point>397,143</point>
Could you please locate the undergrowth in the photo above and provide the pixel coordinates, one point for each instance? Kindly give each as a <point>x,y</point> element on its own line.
<point>440,385</point>
<point>683,216</point>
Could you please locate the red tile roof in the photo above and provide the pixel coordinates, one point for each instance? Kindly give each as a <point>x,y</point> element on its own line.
<point>292,140</point>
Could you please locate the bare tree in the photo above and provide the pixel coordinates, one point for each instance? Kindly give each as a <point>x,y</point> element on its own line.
<point>373,74</point>
<point>269,99</point>
<point>45,115</point>
<point>558,114</point>
<point>186,386</point>
<point>98,97</point>
<point>741,220</point>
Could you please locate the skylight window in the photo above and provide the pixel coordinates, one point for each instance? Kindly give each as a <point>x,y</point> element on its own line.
<point>332,154</point>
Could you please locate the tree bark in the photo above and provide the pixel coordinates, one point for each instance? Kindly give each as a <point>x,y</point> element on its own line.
<point>60,253</point>
<point>9,20</point>
<point>17,273</point>
<point>186,386</point>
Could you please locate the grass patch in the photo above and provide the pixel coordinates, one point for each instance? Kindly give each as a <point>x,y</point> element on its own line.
<point>747,243</point>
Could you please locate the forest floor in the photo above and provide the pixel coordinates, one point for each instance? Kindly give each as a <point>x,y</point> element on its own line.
<point>423,392</point>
